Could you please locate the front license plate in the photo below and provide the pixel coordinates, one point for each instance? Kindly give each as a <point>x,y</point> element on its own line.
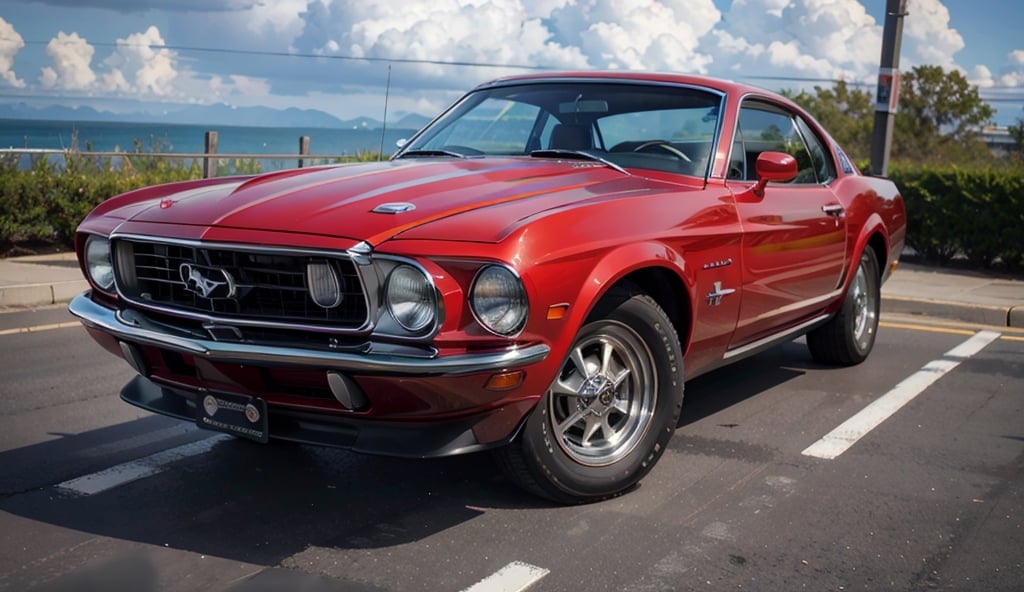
<point>235,414</point>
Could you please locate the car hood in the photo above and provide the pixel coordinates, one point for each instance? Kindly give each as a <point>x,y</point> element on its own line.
<point>340,201</point>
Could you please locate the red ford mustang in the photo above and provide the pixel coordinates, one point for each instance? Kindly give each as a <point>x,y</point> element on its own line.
<point>536,272</point>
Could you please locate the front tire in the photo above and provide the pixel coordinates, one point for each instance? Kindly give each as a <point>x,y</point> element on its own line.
<point>608,415</point>
<point>849,336</point>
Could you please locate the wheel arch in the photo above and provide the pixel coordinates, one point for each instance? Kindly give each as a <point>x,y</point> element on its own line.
<point>671,294</point>
<point>873,236</point>
<point>652,268</point>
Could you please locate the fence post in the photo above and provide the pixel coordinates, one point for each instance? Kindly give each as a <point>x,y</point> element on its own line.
<point>303,148</point>
<point>210,164</point>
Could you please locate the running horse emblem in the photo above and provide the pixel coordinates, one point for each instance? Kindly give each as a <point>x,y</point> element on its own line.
<point>196,282</point>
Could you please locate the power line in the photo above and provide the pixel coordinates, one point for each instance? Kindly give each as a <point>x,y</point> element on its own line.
<point>287,54</point>
<point>1001,98</point>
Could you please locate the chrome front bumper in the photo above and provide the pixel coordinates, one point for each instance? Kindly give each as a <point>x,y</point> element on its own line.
<point>134,327</point>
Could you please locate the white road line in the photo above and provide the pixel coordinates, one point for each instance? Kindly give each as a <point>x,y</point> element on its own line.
<point>849,432</point>
<point>138,469</point>
<point>514,577</point>
<point>38,328</point>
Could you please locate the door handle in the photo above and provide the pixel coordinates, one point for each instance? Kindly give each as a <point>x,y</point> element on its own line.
<point>833,210</point>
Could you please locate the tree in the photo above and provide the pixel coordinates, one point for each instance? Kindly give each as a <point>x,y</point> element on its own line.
<point>847,113</point>
<point>1017,133</point>
<point>939,118</point>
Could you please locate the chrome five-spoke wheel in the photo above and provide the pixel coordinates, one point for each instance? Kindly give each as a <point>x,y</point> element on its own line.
<point>602,401</point>
<point>611,409</point>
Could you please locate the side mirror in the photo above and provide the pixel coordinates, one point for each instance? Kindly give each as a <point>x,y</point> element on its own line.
<point>773,166</point>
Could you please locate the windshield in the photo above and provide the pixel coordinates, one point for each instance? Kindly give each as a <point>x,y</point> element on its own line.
<point>667,128</point>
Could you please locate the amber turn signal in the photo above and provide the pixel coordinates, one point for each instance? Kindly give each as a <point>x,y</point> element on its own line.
<point>505,381</point>
<point>557,311</point>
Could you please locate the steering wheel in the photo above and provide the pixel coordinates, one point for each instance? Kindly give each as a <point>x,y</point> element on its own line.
<point>662,144</point>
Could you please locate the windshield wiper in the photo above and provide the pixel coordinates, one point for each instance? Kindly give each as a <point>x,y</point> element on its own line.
<point>451,153</point>
<point>563,153</point>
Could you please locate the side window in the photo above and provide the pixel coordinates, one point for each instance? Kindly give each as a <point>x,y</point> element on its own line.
<point>820,157</point>
<point>764,127</point>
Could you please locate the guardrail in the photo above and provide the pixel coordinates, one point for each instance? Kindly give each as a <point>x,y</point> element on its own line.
<point>209,156</point>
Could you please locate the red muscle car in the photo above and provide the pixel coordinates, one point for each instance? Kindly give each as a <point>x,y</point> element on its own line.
<point>536,272</point>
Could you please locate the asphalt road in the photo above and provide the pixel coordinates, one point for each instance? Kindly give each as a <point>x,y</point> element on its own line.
<point>96,495</point>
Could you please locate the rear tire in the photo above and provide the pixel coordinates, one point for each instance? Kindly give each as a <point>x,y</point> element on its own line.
<point>610,412</point>
<point>849,336</point>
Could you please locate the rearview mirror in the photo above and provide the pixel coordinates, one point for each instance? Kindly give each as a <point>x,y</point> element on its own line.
<point>773,166</point>
<point>584,106</point>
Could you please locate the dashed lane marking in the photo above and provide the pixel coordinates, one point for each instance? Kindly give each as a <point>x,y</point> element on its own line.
<point>138,469</point>
<point>849,432</point>
<point>514,577</point>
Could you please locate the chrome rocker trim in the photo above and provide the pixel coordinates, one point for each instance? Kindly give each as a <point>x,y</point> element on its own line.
<point>136,328</point>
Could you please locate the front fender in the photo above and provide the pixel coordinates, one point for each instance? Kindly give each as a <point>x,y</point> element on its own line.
<point>609,270</point>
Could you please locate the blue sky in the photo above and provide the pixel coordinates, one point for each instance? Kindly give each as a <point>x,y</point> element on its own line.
<point>337,55</point>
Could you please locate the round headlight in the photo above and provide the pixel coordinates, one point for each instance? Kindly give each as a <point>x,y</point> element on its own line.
<point>498,300</point>
<point>324,284</point>
<point>410,298</point>
<point>98,263</point>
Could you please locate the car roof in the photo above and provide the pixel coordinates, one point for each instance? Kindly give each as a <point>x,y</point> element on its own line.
<point>719,84</point>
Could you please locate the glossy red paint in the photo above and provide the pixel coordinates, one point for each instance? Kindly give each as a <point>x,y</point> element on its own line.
<point>737,244</point>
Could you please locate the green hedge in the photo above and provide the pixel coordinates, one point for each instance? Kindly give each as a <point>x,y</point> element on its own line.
<point>43,205</point>
<point>952,212</point>
<point>972,213</point>
<point>40,207</point>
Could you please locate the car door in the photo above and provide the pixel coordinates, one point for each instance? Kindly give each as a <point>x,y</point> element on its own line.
<point>794,234</point>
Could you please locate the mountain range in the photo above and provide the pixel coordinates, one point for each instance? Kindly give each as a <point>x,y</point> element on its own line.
<point>210,115</point>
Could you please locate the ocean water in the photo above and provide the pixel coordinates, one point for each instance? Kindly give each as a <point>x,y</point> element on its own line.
<point>170,138</point>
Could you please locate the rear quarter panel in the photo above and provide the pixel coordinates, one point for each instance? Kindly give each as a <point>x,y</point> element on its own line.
<point>874,209</point>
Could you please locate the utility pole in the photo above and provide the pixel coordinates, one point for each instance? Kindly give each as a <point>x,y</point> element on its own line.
<point>887,94</point>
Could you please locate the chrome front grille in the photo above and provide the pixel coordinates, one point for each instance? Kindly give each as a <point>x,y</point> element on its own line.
<point>235,284</point>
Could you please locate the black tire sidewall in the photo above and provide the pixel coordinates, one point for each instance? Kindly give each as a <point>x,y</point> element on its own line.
<point>836,341</point>
<point>573,481</point>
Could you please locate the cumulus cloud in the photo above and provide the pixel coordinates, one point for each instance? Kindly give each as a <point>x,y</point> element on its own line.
<point>638,34</point>
<point>927,36</point>
<point>278,19</point>
<point>601,34</point>
<point>72,58</point>
<point>236,84</point>
<point>826,39</point>
<point>438,49</point>
<point>10,44</point>
<point>140,65</point>
<point>1010,76</point>
<point>492,32</point>
<point>144,5</point>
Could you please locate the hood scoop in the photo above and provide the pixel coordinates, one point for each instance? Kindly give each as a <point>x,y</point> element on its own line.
<point>395,207</point>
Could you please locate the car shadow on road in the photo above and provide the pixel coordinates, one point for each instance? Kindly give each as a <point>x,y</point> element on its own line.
<point>710,393</point>
<point>262,504</point>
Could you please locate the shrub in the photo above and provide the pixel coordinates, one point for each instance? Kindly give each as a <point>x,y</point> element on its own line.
<point>973,213</point>
<point>42,205</point>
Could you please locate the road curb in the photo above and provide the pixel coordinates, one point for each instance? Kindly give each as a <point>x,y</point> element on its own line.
<point>29,295</point>
<point>1015,318</point>
<point>998,316</point>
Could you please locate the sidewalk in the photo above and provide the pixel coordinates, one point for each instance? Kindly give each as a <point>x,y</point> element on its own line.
<point>39,280</point>
<point>958,295</point>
